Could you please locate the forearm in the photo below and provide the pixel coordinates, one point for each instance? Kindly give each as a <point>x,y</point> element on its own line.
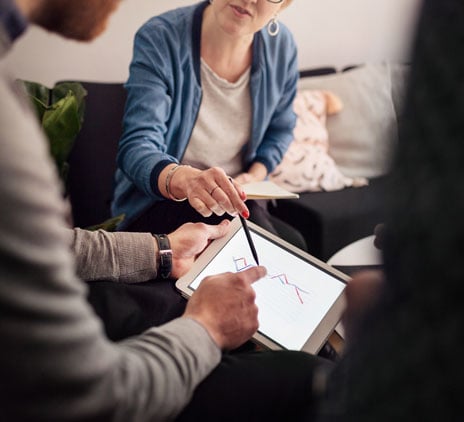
<point>168,363</point>
<point>53,349</point>
<point>142,151</point>
<point>75,373</point>
<point>119,256</point>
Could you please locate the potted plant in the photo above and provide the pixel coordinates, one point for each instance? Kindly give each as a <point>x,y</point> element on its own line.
<point>60,111</point>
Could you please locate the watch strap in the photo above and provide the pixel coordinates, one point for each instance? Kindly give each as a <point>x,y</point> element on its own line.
<point>165,255</point>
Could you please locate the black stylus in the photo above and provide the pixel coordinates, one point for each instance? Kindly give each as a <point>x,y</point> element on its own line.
<point>250,240</point>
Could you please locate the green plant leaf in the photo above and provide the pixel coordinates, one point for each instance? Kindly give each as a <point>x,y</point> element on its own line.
<point>39,95</point>
<point>61,89</point>
<point>108,225</point>
<point>61,113</point>
<point>39,91</point>
<point>61,123</point>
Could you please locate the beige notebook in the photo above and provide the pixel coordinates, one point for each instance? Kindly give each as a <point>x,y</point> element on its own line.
<point>267,190</point>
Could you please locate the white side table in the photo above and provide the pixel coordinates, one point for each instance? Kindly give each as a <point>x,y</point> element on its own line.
<point>361,252</point>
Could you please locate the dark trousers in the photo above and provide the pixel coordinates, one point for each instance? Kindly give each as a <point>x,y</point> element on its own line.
<point>257,386</point>
<point>246,386</point>
<point>130,309</point>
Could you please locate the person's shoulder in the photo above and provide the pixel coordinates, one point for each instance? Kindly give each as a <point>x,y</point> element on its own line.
<point>282,45</point>
<point>283,40</point>
<point>285,31</point>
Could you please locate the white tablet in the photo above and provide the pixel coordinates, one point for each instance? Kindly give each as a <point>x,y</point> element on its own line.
<point>300,300</point>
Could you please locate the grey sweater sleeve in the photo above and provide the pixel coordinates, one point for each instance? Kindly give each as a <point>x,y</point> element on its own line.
<point>121,257</point>
<point>58,363</point>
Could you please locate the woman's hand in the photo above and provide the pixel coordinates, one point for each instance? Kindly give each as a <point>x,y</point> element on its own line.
<point>256,173</point>
<point>208,191</point>
<point>212,191</point>
<point>189,240</point>
<point>243,178</point>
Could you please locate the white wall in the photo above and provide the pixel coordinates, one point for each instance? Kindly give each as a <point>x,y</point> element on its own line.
<point>328,32</point>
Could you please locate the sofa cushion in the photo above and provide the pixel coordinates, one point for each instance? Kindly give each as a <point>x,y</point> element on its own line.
<point>363,135</point>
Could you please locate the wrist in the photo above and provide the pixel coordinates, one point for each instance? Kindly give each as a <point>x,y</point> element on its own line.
<point>210,328</point>
<point>168,185</point>
<point>164,259</point>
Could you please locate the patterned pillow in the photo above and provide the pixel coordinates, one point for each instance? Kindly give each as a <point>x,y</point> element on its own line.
<point>307,166</point>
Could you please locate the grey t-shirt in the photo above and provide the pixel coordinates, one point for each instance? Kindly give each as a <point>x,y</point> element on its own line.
<point>223,126</point>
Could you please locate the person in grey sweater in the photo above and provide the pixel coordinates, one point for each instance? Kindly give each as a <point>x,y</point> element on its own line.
<point>55,361</point>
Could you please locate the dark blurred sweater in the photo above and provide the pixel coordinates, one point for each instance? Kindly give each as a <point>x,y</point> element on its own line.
<point>406,363</point>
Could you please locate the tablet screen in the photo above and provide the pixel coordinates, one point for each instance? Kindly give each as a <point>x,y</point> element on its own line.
<point>292,298</point>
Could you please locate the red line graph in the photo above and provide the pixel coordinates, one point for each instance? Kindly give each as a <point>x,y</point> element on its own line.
<point>284,280</point>
<point>242,264</point>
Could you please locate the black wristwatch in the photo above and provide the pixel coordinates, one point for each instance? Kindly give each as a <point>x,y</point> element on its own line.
<point>165,255</point>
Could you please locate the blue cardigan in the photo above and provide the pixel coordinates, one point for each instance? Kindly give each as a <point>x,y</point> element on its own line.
<point>164,97</point>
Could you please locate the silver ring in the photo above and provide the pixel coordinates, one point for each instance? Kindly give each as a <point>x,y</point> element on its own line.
<point>212,190</point>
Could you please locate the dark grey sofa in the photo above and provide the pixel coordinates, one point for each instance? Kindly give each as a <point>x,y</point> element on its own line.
<point>92,162</point>
<point>331,220</point>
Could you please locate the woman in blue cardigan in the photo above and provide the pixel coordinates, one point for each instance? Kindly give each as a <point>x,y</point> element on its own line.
<point>209,108</point>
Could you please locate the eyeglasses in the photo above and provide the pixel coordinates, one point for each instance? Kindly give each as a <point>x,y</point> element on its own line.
<point>275,1</point>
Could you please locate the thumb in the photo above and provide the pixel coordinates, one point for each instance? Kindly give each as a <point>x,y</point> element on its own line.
<point>219,230</point>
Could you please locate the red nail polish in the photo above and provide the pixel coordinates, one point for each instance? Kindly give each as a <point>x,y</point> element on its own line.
<point>245,214</point>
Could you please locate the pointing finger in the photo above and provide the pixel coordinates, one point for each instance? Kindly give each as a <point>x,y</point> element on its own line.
<point>253,274</point>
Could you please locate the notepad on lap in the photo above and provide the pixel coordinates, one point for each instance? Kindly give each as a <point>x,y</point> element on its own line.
<point>300,300</point>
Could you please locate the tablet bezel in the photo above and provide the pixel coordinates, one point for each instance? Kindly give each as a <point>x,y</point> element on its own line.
<point>326,326</point>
